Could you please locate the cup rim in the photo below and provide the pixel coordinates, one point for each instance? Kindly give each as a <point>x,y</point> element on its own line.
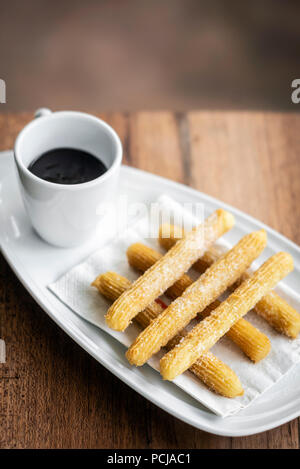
<point>70,187</point>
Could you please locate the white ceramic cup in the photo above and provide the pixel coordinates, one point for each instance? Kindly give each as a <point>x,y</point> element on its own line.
<point>67,215</point>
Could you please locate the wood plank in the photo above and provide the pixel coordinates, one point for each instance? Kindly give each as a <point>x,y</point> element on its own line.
<point>52,394</point>
<point>250,160</point>
<point>155,144</point>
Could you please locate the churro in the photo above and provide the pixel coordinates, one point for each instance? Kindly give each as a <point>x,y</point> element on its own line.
<point>211,329</point>
<point>170,234</point>
<point>250,340</point>
<point>196,297</point>
<point>279,314</point>
<point>167,270</point>
<point>112,285</point>
<point>213,372</point>
<point>274,309</point>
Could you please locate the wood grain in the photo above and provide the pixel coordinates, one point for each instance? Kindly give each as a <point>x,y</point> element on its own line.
<point>52,393</point>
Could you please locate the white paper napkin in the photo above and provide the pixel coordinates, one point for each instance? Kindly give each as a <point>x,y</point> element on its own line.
<point>74,290</point>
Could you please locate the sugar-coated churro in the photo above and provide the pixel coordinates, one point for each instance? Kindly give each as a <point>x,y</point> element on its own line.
<point>250,340</point>
<point>112,285</point>
<point>279,314</point>
<point>213,372</point>
<point>217,376</point>
<point>274,309</point>
<point>196,297</point>
<point>211,329</point>
<point>142,257</point>
<point>167,270</point>
<point>170,234</point>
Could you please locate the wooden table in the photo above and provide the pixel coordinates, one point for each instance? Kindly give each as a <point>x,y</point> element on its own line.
<point>52,393</point>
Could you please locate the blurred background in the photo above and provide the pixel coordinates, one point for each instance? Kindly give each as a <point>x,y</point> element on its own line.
<point>108,55</point>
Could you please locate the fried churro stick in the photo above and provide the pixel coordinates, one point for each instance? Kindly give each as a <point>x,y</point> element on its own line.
<point>112,285</point>
<point>274,309</point>
<point>203,336</point>
<point>250,340</point>
<point>195,298</point>
<point>213,372</point>
<point>170,234</point>
<point>279,314</point>
<point>167,270</point>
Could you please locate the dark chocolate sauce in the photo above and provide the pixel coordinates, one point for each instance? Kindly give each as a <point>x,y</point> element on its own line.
<point>67,166</point>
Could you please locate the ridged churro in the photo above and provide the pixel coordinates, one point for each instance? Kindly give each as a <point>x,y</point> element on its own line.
<point>250,340</point>
<point>170,234</point>
<point>196,297</point>
<point>274,309</point>
<point>112,285</point>
<point>213,372</point>
<point>211,329</point>
<point>279,314</point>
<point>168,269</point>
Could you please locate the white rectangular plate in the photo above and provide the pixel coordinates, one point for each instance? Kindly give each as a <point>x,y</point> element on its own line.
<point>37,264</point>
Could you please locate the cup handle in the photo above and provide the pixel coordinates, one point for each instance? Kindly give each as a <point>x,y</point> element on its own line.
<point>42,112</point>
